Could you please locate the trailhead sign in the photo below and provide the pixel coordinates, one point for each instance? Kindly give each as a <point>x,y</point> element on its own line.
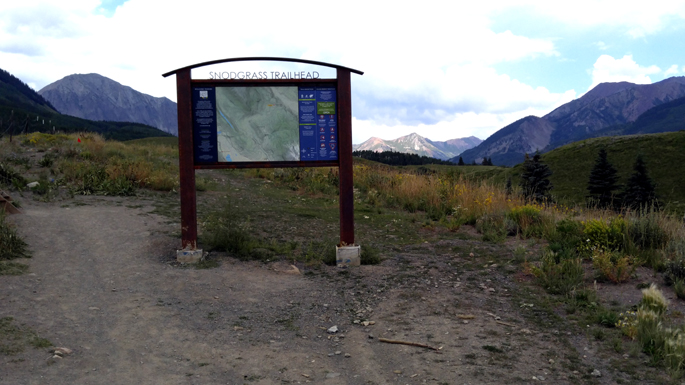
<point>246,122</point>
<point>264,124</point>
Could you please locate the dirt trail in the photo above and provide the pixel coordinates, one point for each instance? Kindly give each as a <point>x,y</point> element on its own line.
<point>103,283</point>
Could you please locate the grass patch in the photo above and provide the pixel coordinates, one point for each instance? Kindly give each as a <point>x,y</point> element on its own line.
<point>314,252</point>
<point>207,264</point>
<point>493,227</point>
<point>11,245</point>
<point>559,273</point>
<point>14,338</point>
<point>607,318</point>
<point>370,255</point>
<point>13,268</point>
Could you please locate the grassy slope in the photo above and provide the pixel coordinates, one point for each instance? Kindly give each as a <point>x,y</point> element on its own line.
<point>171,141</point>
<point>663,154</point>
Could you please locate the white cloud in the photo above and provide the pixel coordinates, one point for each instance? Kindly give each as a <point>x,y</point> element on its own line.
<point>672,70</point>
<point>601,45</point>
<point>422,66</point>
<point>608,69</point>
<point>634,18</point>
<point>428,68</point>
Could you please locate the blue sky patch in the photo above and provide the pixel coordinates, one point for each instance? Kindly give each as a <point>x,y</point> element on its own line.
<point>108,7</point>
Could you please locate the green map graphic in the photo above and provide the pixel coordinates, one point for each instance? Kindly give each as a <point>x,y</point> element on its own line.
<point>257,124</point>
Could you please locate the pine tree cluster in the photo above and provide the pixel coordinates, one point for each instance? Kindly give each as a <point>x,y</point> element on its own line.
<point>604,190</point>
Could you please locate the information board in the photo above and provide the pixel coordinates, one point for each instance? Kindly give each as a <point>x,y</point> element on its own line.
<point>264,124</point>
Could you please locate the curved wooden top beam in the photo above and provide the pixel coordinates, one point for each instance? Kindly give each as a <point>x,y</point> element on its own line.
<point>285,59</point>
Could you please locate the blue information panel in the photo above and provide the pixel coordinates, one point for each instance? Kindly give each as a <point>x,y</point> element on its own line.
<point>318,123</point>
<point>204,125</point>
<point>254,124</point>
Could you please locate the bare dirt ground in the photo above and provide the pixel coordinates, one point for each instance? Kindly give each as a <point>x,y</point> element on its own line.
<point>103,282</point>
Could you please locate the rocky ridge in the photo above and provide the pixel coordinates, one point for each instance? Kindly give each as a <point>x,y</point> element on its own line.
<point>95,97</point>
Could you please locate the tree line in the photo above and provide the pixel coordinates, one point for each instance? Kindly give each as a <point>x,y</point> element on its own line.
<point>394,158</point>
<point>28,92</point>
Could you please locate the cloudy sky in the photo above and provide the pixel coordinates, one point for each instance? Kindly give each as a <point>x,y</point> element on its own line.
<point>442,69</point>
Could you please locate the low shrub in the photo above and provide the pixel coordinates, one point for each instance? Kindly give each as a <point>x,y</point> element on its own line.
<point>675,267</point>
<point>602,236</point>
<point>627,322</point>
<point>527,220</point>
<point>11,245</point>
<point>370,256</point>
<point>316,252</point>
<point>567,235</point>
<point>664,344</point>
<point>645,230</point>
<point>557,275</point>
<point>679,288</point>
<point>653,300</point>
<point>10,177</point>
<point>452,224</point>
<point>607,318</point>
<point>613,265</point>
<point>493,227</point>
<point>674,352</point>
<point>46,162</point>
<point>224,231</point>
<point>650,333</point>
<point>581,299</point>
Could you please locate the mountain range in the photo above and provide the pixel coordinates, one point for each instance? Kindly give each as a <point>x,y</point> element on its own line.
<point>95,97</point>
<point>23,110</point>
<point>417,144</point>
<point>607,109</point>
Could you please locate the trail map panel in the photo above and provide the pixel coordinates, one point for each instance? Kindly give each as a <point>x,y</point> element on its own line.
<point>257,124</point>
<point>277,123</point>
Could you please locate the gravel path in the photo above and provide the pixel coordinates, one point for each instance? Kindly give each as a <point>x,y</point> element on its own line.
<point>104,283</point>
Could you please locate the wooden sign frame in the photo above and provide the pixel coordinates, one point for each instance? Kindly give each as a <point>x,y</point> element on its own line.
<point>187,165</point>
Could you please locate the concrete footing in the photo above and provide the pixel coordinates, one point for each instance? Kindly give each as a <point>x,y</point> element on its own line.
<point>189,256</point>
<point>348,255</point>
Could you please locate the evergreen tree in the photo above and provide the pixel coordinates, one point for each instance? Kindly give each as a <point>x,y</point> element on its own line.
<point>474,163</point>
<point>535,179</point>
<point>639,191</point>
<point>484,162</point>
<point>602,183</point>
<point>461,161</point>
<point>490,161</point>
